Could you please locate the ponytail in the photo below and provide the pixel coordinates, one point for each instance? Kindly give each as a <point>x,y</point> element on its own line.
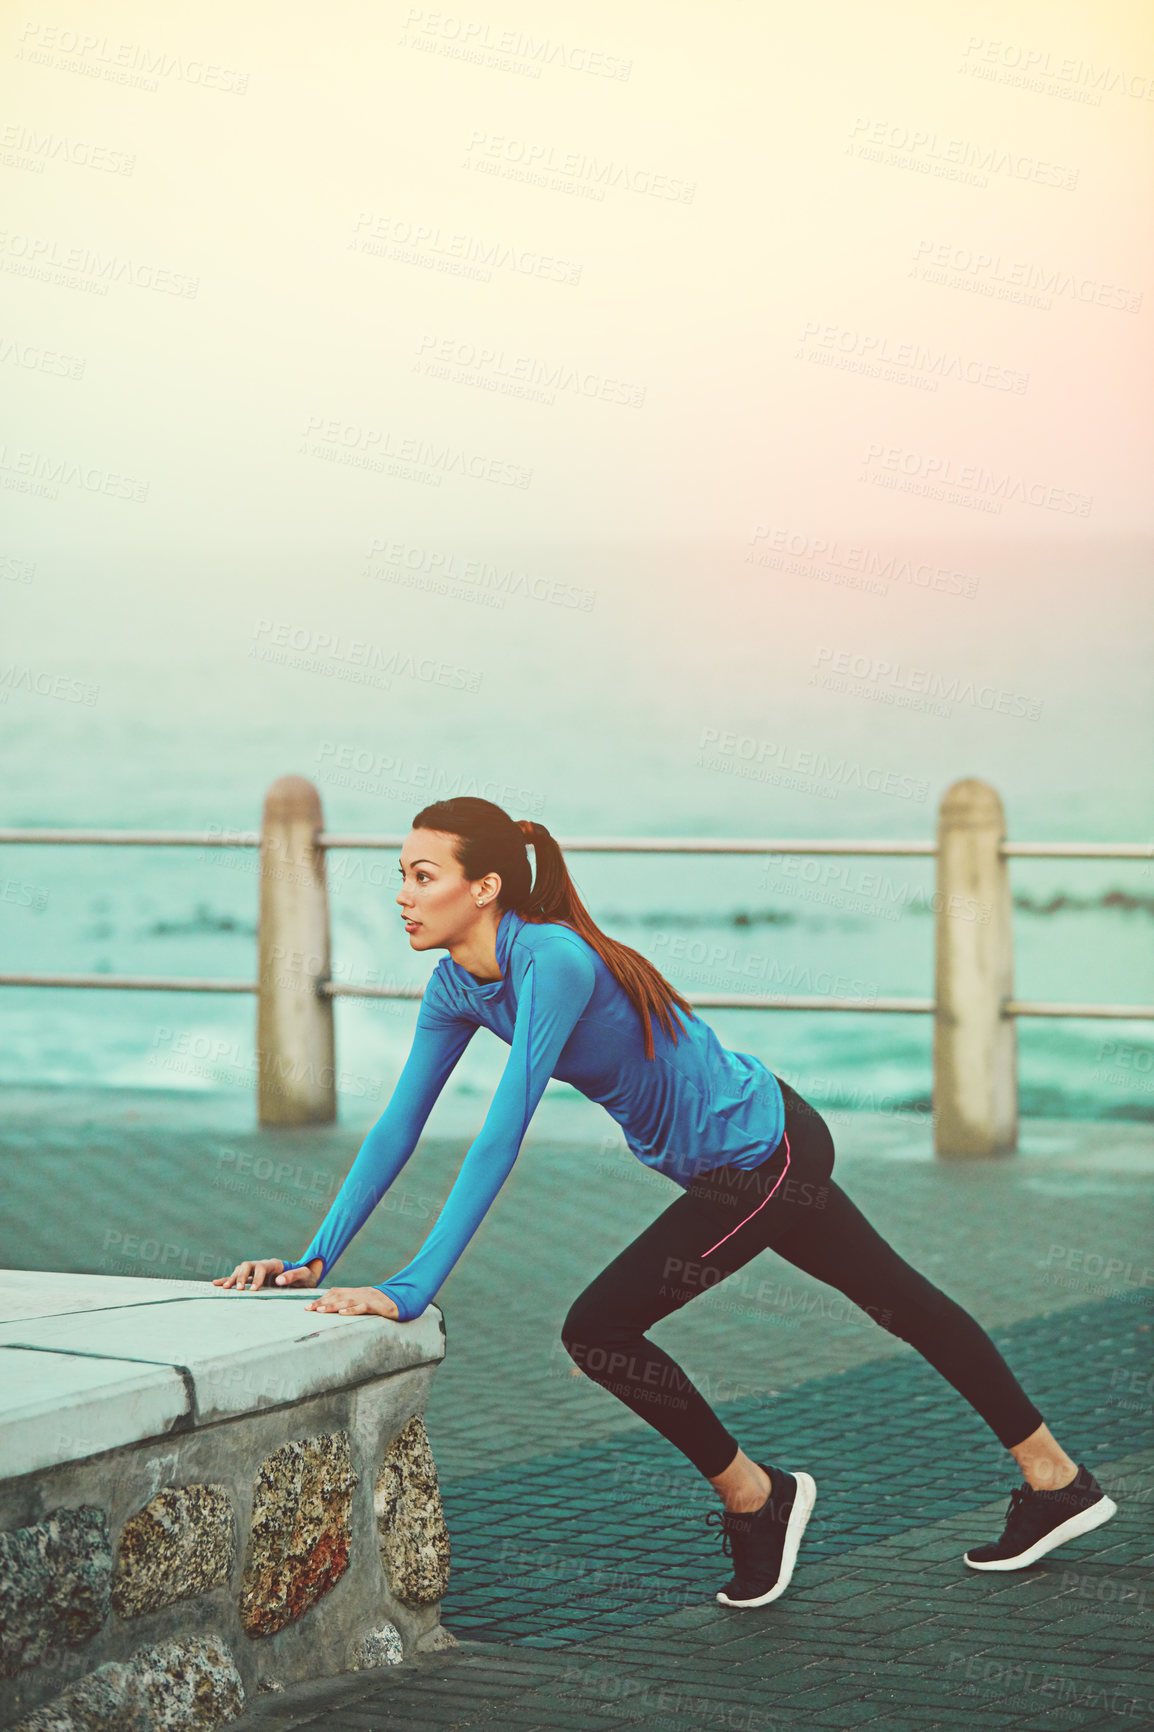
<point>487,839</point>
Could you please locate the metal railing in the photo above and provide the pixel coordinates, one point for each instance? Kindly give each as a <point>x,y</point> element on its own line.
<point>975,1057</point>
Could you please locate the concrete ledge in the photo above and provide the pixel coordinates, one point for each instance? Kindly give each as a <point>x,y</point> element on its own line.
<point>206,1495</point>
<point>86,1343</point>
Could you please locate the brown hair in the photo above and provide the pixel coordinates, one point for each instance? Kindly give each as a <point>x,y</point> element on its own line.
<point>487,839</point>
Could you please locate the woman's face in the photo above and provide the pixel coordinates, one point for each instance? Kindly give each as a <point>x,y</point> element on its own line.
<point>438,904</point>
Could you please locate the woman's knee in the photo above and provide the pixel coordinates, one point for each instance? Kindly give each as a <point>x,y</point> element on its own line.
<point>586,1324</point>
<point>596,1320</point>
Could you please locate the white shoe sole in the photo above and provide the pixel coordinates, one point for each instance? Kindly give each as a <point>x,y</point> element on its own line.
<point>1082,1523</point>
<point>798,1517</point>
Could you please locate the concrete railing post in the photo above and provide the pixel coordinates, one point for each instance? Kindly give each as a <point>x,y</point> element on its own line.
<point>295,1043</point>
<point>975,1044</point>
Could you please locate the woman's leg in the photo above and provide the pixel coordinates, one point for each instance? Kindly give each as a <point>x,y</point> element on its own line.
<point>845,1251</point>
<point>722,1221</point>
<point>792,1205</point>
<point>604,1332</point>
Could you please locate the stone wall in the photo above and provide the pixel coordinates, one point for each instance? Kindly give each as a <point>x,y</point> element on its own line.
<point>166,1583</point>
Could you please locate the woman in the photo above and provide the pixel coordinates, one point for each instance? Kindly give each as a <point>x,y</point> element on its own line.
<point>751,1158</point>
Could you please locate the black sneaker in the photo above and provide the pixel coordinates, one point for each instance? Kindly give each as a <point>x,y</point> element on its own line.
<point>1037,1521</point>
<point>763,1542</point>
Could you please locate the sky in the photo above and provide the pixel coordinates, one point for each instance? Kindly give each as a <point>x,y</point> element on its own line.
<point>782,368</point>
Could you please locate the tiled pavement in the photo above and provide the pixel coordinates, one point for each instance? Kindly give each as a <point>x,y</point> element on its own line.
<point>583,1572</point>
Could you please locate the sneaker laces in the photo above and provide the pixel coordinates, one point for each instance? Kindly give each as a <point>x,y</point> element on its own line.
<point>1025,1510</point>
<point>716,1518</point>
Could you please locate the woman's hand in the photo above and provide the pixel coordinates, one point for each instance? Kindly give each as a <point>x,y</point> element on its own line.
<point>355,1301</point>
<point>264,1269</point>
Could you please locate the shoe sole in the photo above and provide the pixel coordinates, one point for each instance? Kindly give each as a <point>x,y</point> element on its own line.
<point>1082,1523</point>
<point>798,1517</point>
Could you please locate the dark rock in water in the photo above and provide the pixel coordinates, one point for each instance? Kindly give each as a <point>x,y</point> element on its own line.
<point>200,924</point>
<point>1063,902</point>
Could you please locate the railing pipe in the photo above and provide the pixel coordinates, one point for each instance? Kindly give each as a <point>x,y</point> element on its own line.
<point>130,982</point>
<point>216,838</point>
<point>677,845</point>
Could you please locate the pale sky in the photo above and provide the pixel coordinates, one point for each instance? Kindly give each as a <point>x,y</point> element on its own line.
<point>664,282</point>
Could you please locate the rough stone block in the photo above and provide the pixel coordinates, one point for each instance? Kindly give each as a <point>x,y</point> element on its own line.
<point>410,1519</point>
<point>54,1585</point>
<point>299,1540</point>
<point>436,1641</point>
<point>181,1543</point>
<point>165,1687</point>
<point>379,1647</point>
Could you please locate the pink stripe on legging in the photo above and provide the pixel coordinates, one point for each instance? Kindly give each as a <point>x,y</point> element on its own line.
<point>761,1205</point>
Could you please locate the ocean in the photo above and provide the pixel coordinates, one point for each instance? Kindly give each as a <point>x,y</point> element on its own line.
<point>194,745</point>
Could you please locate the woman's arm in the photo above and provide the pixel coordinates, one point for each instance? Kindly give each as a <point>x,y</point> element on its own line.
<point>439,1040</point>
<point>555,989</point>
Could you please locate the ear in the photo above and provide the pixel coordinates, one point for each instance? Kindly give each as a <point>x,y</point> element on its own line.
<point>486,889</point>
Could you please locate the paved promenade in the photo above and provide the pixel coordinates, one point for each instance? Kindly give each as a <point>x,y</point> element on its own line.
<point>583,1569</point>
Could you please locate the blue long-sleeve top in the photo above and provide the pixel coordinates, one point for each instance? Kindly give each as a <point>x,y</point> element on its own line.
<point>694,1106</point>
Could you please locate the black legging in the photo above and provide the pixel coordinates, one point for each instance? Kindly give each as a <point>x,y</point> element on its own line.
<point>792,1205</point>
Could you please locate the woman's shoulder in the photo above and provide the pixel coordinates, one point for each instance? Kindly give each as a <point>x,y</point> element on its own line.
<point>555,943</point>
<point>442,993</point>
